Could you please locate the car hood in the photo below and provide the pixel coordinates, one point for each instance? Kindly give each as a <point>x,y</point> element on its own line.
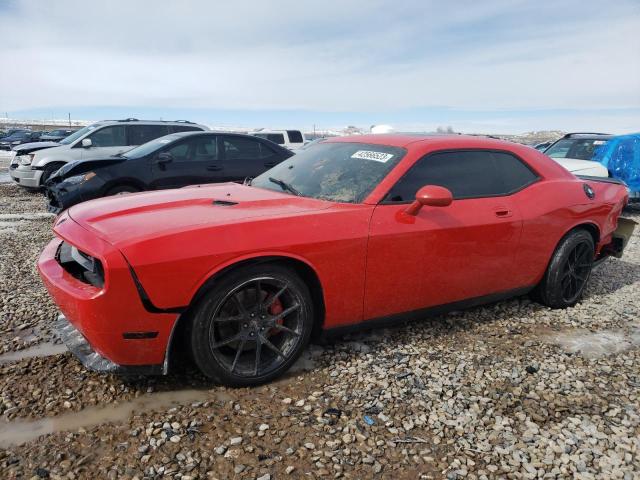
<point>77,167</point>
<point>126,219</point>
<point>583,167</point>
<point>54,149</point>
<point>33,146</point>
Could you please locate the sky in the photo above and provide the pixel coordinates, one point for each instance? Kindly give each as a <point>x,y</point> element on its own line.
<point>492,66</point>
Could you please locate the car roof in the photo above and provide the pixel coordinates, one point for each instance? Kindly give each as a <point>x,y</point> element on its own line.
<point>405,139</point>
<point>134,121</point>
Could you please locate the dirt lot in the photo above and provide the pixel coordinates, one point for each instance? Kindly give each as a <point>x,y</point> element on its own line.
<point>510,390</point>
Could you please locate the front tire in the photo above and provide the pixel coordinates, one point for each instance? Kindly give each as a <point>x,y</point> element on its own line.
<point>49,170</point>
<point>252,325</point>
<point>568,272</point>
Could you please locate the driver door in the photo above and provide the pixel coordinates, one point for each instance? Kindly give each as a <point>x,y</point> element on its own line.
<point>442,254</point>
<point>189,162</point>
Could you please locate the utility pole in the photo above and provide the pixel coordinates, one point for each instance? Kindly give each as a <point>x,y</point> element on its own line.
<point>69,118</point>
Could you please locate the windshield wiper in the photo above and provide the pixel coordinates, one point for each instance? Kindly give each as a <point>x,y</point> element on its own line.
<point>285,186</point>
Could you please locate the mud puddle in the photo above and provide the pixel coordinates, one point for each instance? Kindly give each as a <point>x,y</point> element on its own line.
<point>596,344</point>
<point>19,432</point>
<point>41,350</point>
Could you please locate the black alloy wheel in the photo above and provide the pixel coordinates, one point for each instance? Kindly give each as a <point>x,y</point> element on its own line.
<point>568,272</point>
<point>576,271</point>
<point>252,326</point>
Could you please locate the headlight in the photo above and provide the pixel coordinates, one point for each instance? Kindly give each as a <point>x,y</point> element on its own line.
<point>77,179</point>
<point>25,159</point>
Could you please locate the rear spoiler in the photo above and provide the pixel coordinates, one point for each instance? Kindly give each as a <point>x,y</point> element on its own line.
<point>590,178</point>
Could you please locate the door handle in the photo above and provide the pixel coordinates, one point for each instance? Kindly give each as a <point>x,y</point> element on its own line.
<point>214,168</point>
<point>502,212</point>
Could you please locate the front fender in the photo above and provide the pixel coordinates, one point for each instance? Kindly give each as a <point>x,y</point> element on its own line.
<point>243,259</point>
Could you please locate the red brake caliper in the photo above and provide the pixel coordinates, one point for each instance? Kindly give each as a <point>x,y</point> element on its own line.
<point>276,308</point>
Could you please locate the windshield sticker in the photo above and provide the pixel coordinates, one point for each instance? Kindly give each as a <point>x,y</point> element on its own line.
<point>369,155</point>
<point>599,142</point>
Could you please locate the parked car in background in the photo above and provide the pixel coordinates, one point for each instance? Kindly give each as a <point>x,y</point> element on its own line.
<point>542,146</point>
<point>575,152</point>
<point>370,228</point>
<point>11,131</point>
<point>176,160</point>
<point>99,140</point>
<point>18,138</point>
<point>57,135</point>
<point>291,139</point>
<point>621,157</point>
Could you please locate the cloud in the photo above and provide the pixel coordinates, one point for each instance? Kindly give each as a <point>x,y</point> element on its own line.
<point>332,56</point>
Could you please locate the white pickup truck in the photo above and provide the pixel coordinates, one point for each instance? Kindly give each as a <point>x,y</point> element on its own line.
<point>291,139</point>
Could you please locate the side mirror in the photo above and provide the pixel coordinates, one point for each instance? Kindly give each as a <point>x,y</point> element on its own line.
<point>163,157</point>
<point>86,143</point>
<point>431,195</point>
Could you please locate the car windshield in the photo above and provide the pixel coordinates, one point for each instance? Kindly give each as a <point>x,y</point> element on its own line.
<point>338,172</point>
<point>55,132</point>
<point>152,146</point>
<point>580,148</point>
<point>74,136</point>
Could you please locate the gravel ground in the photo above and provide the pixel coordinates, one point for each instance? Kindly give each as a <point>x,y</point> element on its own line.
<point>511,390</point>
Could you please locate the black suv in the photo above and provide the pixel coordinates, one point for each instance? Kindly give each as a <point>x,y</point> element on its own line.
<point>175,160</point>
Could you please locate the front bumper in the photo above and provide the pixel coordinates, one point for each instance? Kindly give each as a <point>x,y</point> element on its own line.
<point>112,318</point>
<point>25,176</point>
<point>92,360</point>
<point>60,197</point>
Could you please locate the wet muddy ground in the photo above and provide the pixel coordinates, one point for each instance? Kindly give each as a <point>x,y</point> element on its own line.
<point>511,390</point>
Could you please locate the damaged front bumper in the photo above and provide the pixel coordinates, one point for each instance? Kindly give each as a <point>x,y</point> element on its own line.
<point>92,360</point>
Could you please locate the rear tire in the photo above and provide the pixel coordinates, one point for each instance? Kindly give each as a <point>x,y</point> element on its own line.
<point>239,336</point>
<point>568,272</point>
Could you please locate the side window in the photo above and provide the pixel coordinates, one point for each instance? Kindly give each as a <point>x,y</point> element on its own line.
<point>295,136</point>
<point>179,152</point>
<point>468,174</point>
<point>113,136</point>
<point>266,151</point>
<point>205,149</point>
<point>272,137</point>
<point>515,174</point>
<point>184,128</point>
<point>139,134</point>
<point>241,147</point>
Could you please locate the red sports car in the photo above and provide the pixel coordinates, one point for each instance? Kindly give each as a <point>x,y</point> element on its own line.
<point>353,231</point>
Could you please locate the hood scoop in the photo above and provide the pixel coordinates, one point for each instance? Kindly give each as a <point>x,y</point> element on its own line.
<point>224,203</point>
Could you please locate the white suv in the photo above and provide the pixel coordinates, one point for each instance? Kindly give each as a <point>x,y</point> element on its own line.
<point>99,140</point>
<point>291,139</point>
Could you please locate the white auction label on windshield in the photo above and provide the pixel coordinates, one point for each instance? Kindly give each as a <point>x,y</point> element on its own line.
<point>369,155</point>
